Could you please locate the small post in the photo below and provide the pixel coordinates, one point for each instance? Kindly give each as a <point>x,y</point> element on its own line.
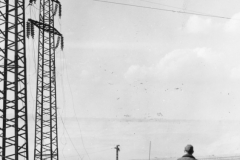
<point>117,150</point>
<point>150,151</point>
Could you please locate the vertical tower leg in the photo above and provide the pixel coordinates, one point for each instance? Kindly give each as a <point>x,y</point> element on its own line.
<point>13,88</point>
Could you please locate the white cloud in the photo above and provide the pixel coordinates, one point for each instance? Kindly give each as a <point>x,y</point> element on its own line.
<point>196,24</point>
<point>190,65</point>
<point>233,25</point>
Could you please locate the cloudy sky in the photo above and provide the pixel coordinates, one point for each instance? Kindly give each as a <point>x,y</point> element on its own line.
<point>125,62</point>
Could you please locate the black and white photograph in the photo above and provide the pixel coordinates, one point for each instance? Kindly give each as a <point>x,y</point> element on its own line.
<point>120,79</point>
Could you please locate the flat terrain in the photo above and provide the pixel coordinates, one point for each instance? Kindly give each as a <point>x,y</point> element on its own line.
<point>168,138</point>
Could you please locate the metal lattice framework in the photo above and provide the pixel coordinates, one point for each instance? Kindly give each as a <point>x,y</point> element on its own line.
<point>13,88</point>
<point>46,136</point>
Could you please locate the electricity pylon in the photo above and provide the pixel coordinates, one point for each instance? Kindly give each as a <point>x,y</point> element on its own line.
<point>46,135</point>
<point>13,88</point>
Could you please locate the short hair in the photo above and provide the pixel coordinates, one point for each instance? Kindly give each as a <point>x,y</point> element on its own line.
<point>189,149</point>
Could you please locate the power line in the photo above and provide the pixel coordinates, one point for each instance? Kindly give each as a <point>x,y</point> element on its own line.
<point>75,110</point>
<point>167,10</point>
<point>64,127</point>
<point>165,5</point>
<point>65,69</point>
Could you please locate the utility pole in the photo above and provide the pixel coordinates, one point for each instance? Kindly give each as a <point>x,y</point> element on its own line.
<point>46,135</point>
<point>117,150</point>
<point>13,82</point>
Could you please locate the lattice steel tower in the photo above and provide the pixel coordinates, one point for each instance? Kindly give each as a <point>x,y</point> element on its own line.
<point>46,135</point>
<point>13,88</point>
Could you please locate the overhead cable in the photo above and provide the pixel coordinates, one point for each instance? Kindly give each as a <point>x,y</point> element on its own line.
<point>167,10</point>
<point>165,5</point>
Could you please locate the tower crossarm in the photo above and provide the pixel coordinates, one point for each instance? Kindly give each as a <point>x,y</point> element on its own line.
<point>45,27</point>
<point>31,1</point>
<point>56,1</point>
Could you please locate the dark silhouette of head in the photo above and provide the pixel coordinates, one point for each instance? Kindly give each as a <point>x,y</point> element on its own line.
<point>189,149</point>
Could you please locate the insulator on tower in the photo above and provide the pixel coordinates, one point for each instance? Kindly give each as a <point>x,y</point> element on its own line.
<point>28,29</point>
<point>58,41</point>
<point>55,11</point>
<point>30,2</point>
<point>32,30</point>
<point>60,10</point>
<point>62,42</point>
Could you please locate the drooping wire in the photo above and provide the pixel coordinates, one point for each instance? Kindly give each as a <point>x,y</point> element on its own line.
<point>62,44</point>
<point>75,111</point>
<point>63,133</point>
<point>64,127</point>
<point>65,68</point>
<point>64,144</point>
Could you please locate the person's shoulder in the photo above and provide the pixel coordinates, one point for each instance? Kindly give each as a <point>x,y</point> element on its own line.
<point>181,158</point>
<point>187,157</point>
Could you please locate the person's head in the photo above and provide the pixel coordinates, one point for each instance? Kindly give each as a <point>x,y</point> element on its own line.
<point>189,149</point>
